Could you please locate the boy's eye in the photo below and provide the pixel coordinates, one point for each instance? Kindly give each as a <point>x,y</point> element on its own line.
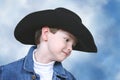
<point>67,40</point>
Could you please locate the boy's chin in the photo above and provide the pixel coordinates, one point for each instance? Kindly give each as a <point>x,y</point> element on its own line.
<point>60,60</point>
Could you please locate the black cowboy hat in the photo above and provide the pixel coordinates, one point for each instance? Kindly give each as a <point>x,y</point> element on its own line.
<point>58,18</point>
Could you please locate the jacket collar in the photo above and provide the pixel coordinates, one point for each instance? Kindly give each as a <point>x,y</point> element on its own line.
<point>59,70</point>
<point>29,64</point>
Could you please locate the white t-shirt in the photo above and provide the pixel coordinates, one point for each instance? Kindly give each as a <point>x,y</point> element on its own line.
<point>45,71</point>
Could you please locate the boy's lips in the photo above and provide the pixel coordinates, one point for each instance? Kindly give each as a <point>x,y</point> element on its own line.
<point>66,53</point>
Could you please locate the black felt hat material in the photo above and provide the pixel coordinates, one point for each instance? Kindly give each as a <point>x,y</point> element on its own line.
<point>57,18</point>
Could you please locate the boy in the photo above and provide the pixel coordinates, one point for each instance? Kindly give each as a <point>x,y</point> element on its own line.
<point>55,33</point>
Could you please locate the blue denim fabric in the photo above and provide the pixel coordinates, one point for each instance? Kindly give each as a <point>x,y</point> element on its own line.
<point>23,70</point>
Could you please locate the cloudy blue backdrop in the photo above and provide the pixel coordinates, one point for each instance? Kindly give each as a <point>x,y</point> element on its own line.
<point>102,18</point>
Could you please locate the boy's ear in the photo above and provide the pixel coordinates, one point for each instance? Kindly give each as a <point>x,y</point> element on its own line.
<point>45,31</point>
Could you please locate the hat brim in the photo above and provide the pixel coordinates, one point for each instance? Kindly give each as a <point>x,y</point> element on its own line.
<point>59,18</point>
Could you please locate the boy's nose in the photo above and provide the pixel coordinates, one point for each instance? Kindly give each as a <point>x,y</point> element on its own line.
<point>69,48</point>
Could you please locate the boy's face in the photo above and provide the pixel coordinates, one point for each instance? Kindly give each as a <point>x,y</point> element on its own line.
<point>60,45</point>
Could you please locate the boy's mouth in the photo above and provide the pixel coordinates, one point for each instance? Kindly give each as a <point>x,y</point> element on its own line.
<point>66,53</point>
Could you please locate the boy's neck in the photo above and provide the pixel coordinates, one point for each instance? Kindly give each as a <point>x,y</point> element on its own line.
<point>42,56</point>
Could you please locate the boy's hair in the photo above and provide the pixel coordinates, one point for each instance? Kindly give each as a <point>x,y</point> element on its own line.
<point>38,34</point>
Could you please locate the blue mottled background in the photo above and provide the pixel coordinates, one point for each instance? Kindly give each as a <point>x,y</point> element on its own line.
<point>102,18</point>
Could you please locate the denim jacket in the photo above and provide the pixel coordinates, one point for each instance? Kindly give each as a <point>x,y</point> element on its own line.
<point>23,70</point>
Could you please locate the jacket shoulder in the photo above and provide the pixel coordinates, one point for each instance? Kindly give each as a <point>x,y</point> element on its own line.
<point>11,67</point>
<point>14,64</point>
